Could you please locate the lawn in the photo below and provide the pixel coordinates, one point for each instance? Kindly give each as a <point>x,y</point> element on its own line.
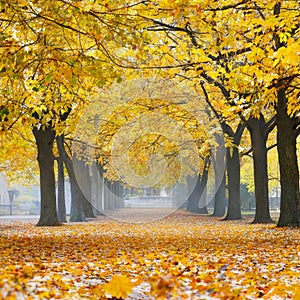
<point>182,256</point>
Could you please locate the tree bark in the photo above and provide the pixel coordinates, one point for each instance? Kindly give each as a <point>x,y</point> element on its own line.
<point>119,193</point>
<point>234,181</point>
<point>101,190</point>
<point>61,200</point>
<point>220,199</point>
<point>220,184</point>
<point>233,173</point>
<point>77,214</point>
<point>107,195</point>
<point>111,203</point>
<point>258,134</point>
<point>232,162</point>
<point>83,180</point>
<point>198,195</point>
<point>87,208</point>
<point>44,141</point>
<point>116,189</point>
<point>96,190</point>
<point>203,187</point>
<point>194,198</point>
<point>288,164</point>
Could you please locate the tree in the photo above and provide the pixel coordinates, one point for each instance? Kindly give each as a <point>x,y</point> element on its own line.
<point>286,40</point>
<point>288,164</point>
<point>253,55</point>
<point>12,193</point>
<point>148,135</point>
<point>83,182</point>
<point>80,206</point>
<point>51,62</point>
<point>232,155</point>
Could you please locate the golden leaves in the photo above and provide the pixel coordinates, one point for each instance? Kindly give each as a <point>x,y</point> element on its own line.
<point>120,286</point>
<point>183,256</point>
<point>162,286</point>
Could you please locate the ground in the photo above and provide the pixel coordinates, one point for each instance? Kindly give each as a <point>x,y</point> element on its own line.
<point>182,256</point>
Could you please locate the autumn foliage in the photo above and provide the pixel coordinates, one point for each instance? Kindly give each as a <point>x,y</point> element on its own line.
<point>183,256</point>
<point>241,58</point>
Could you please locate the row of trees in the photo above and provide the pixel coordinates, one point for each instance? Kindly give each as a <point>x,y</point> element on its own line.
<point>240,57</point>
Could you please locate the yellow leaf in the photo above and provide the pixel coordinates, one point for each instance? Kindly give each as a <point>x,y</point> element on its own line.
<point>120,286</point>
<point>28,271</point>
<point>297,294</point>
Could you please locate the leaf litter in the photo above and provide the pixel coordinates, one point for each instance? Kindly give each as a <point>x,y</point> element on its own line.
<point>182,256</point>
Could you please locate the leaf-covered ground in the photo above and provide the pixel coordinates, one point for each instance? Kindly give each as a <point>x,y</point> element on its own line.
<point>180,257</point>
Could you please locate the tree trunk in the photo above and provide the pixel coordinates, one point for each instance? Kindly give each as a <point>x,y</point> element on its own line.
<point>11,196</point>
<point>61,201</point>
<point>87,208</point>
<point>220,184</point>
<point>96,190</point>
<point>197,199</point>
<point>202,203</point>
<point>111,195</point>
<point>288,164</point>
<point>233,169</point>
<point>107,194</point>
<point>77,214</point>
<point>83,180</point>
<point>117,190</point>
<point>194,198</point>
<point>257,128</point>
<point>119,193</point>
<point>44,140</point>
<point>233,176</point>
<point>220,199</point>
<point>101,190</point>
<point>203,187</point>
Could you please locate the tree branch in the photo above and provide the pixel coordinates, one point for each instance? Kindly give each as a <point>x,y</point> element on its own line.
<point>230,6</point>
<point>271,124</point>
<point>224,91</point>
<point>271,147</point>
